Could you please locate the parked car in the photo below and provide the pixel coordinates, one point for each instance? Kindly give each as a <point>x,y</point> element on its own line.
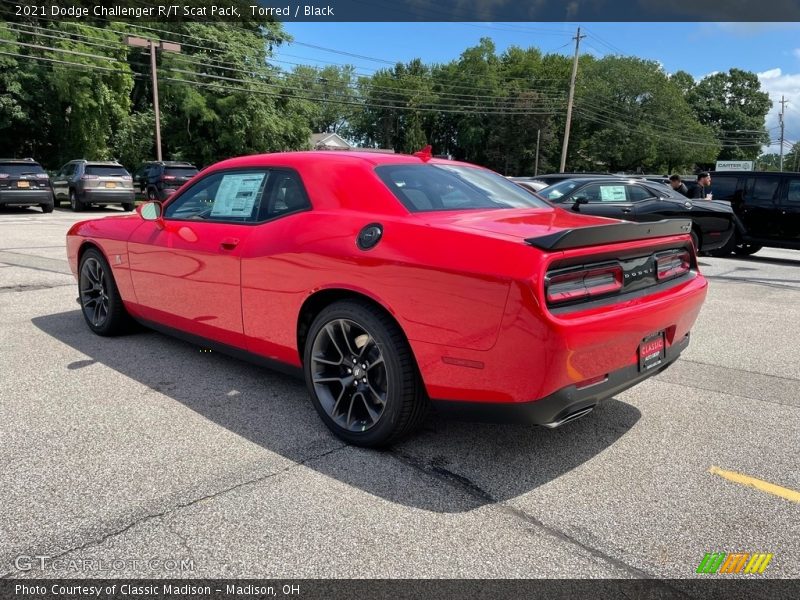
<point>158,180</point>
<point>23,182</point>
<point>89,182</point>
<point>643,201</point>
<point>392,283</point>
<point>767,208</point>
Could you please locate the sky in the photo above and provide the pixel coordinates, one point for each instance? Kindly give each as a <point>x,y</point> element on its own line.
<point>770,49</point>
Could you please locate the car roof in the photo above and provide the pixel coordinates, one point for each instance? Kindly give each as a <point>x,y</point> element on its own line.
<point>334,156</point>
<point>26,161</point>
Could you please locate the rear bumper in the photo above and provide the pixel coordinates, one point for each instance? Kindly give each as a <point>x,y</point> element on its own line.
<point>103,196</point>
<point>25,197</point>
<point>560,406</point>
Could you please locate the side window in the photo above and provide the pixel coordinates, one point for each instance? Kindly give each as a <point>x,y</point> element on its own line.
<point>793,191</point>
<point>723,188</point>
<point>230,197</point>
<point>285,195</point>
<point>603,192</point>
<point>637,193</point>
<point>762,188</point>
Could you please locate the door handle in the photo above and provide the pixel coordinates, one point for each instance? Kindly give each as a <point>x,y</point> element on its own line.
<point>229,243</point>
<point>627,210</point>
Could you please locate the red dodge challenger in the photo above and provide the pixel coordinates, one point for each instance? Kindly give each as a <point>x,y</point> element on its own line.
<point>395,283</point>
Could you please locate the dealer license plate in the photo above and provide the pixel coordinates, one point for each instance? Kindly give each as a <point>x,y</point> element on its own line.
<point>652,351</point>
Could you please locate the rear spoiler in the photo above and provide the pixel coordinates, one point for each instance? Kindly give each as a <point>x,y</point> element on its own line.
<point>610,234</point>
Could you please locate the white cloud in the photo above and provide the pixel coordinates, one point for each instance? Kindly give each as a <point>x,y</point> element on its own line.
<point>777,83</point>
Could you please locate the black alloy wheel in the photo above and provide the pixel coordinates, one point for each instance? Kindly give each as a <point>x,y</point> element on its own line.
<point>100,301</point>
<point>361,375</point>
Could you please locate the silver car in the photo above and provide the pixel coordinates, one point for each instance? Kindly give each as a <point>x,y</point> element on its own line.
<point>87,182</point>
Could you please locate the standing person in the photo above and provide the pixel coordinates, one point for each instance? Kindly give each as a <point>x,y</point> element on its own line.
<point>700,192</point>
<point>678,185</point>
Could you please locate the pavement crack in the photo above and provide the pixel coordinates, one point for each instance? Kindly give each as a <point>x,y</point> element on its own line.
<point>169,511</point>
<point>31,287</point>
<point>705,364</point>
<point>466,485</point>
<point>734,394</point>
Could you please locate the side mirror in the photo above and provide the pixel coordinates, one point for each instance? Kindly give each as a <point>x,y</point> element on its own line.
<point>578,201</point>
<point>150,211</point>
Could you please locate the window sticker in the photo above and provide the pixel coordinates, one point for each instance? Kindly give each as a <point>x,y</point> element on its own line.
<point>237,194</point>
<point>612,193</point>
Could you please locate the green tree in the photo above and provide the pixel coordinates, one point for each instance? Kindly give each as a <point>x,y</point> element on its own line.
<point>638,120</point>
<point>733,104</point>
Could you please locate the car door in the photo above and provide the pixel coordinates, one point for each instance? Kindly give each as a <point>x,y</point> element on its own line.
<point>603,200</point>
<point>790,211</point>
<point>759,209</point>
<point>272,268</point>
<point>185,268</point>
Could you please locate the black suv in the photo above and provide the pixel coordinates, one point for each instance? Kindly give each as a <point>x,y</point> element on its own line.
<point>23,182</point>
<point>767,209</point>
<point>86,182</point>
<point>158,180</point>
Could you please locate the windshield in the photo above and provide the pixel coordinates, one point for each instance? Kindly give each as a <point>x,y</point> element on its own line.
<point>105,171</point>
<point>433,187</point>
<point>557,190</point>
<point>21,168</point>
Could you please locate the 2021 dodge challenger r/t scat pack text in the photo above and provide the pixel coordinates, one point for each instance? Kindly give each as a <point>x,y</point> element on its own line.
<point>398,283</point>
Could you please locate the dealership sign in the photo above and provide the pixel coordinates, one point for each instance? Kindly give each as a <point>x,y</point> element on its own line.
<point>734,165</point>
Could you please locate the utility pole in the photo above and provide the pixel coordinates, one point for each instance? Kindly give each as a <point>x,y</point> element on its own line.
<point>536,164</point>
<point>578,37</point>
<point>153,45</point>
<point>780,116</point>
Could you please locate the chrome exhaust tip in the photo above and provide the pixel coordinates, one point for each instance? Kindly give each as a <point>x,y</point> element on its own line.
<point>570,417</point>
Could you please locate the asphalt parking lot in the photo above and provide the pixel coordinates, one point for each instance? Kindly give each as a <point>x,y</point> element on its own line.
<point>144,447</point>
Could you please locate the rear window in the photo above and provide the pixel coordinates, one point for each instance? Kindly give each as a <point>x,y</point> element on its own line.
<point>106,171</point>
<point>430,187</point>
<point>21,168</point>
<point>180,171</point>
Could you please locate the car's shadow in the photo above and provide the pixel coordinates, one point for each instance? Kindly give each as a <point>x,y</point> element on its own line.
<point>487,463</point>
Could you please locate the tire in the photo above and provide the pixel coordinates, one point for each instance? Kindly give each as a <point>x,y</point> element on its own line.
<point>742,249</point>
<point>128,206</point>
<point>56,201</point>
<point>74,202</point>
<point>374,406</point>
<point>97,289</point>
<point>46,208</point>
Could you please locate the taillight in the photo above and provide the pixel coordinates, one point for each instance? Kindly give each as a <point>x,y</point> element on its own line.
<point>42,176</point>
<point>166,177</point>
<point>3,175</point>
<point>89,177</point>
<point>672,265</point>
<point>585,283</point>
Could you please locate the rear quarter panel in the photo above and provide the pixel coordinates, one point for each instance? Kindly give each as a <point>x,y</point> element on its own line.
<point>446,287</point>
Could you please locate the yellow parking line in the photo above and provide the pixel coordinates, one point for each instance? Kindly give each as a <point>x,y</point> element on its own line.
<point>764,486</point>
